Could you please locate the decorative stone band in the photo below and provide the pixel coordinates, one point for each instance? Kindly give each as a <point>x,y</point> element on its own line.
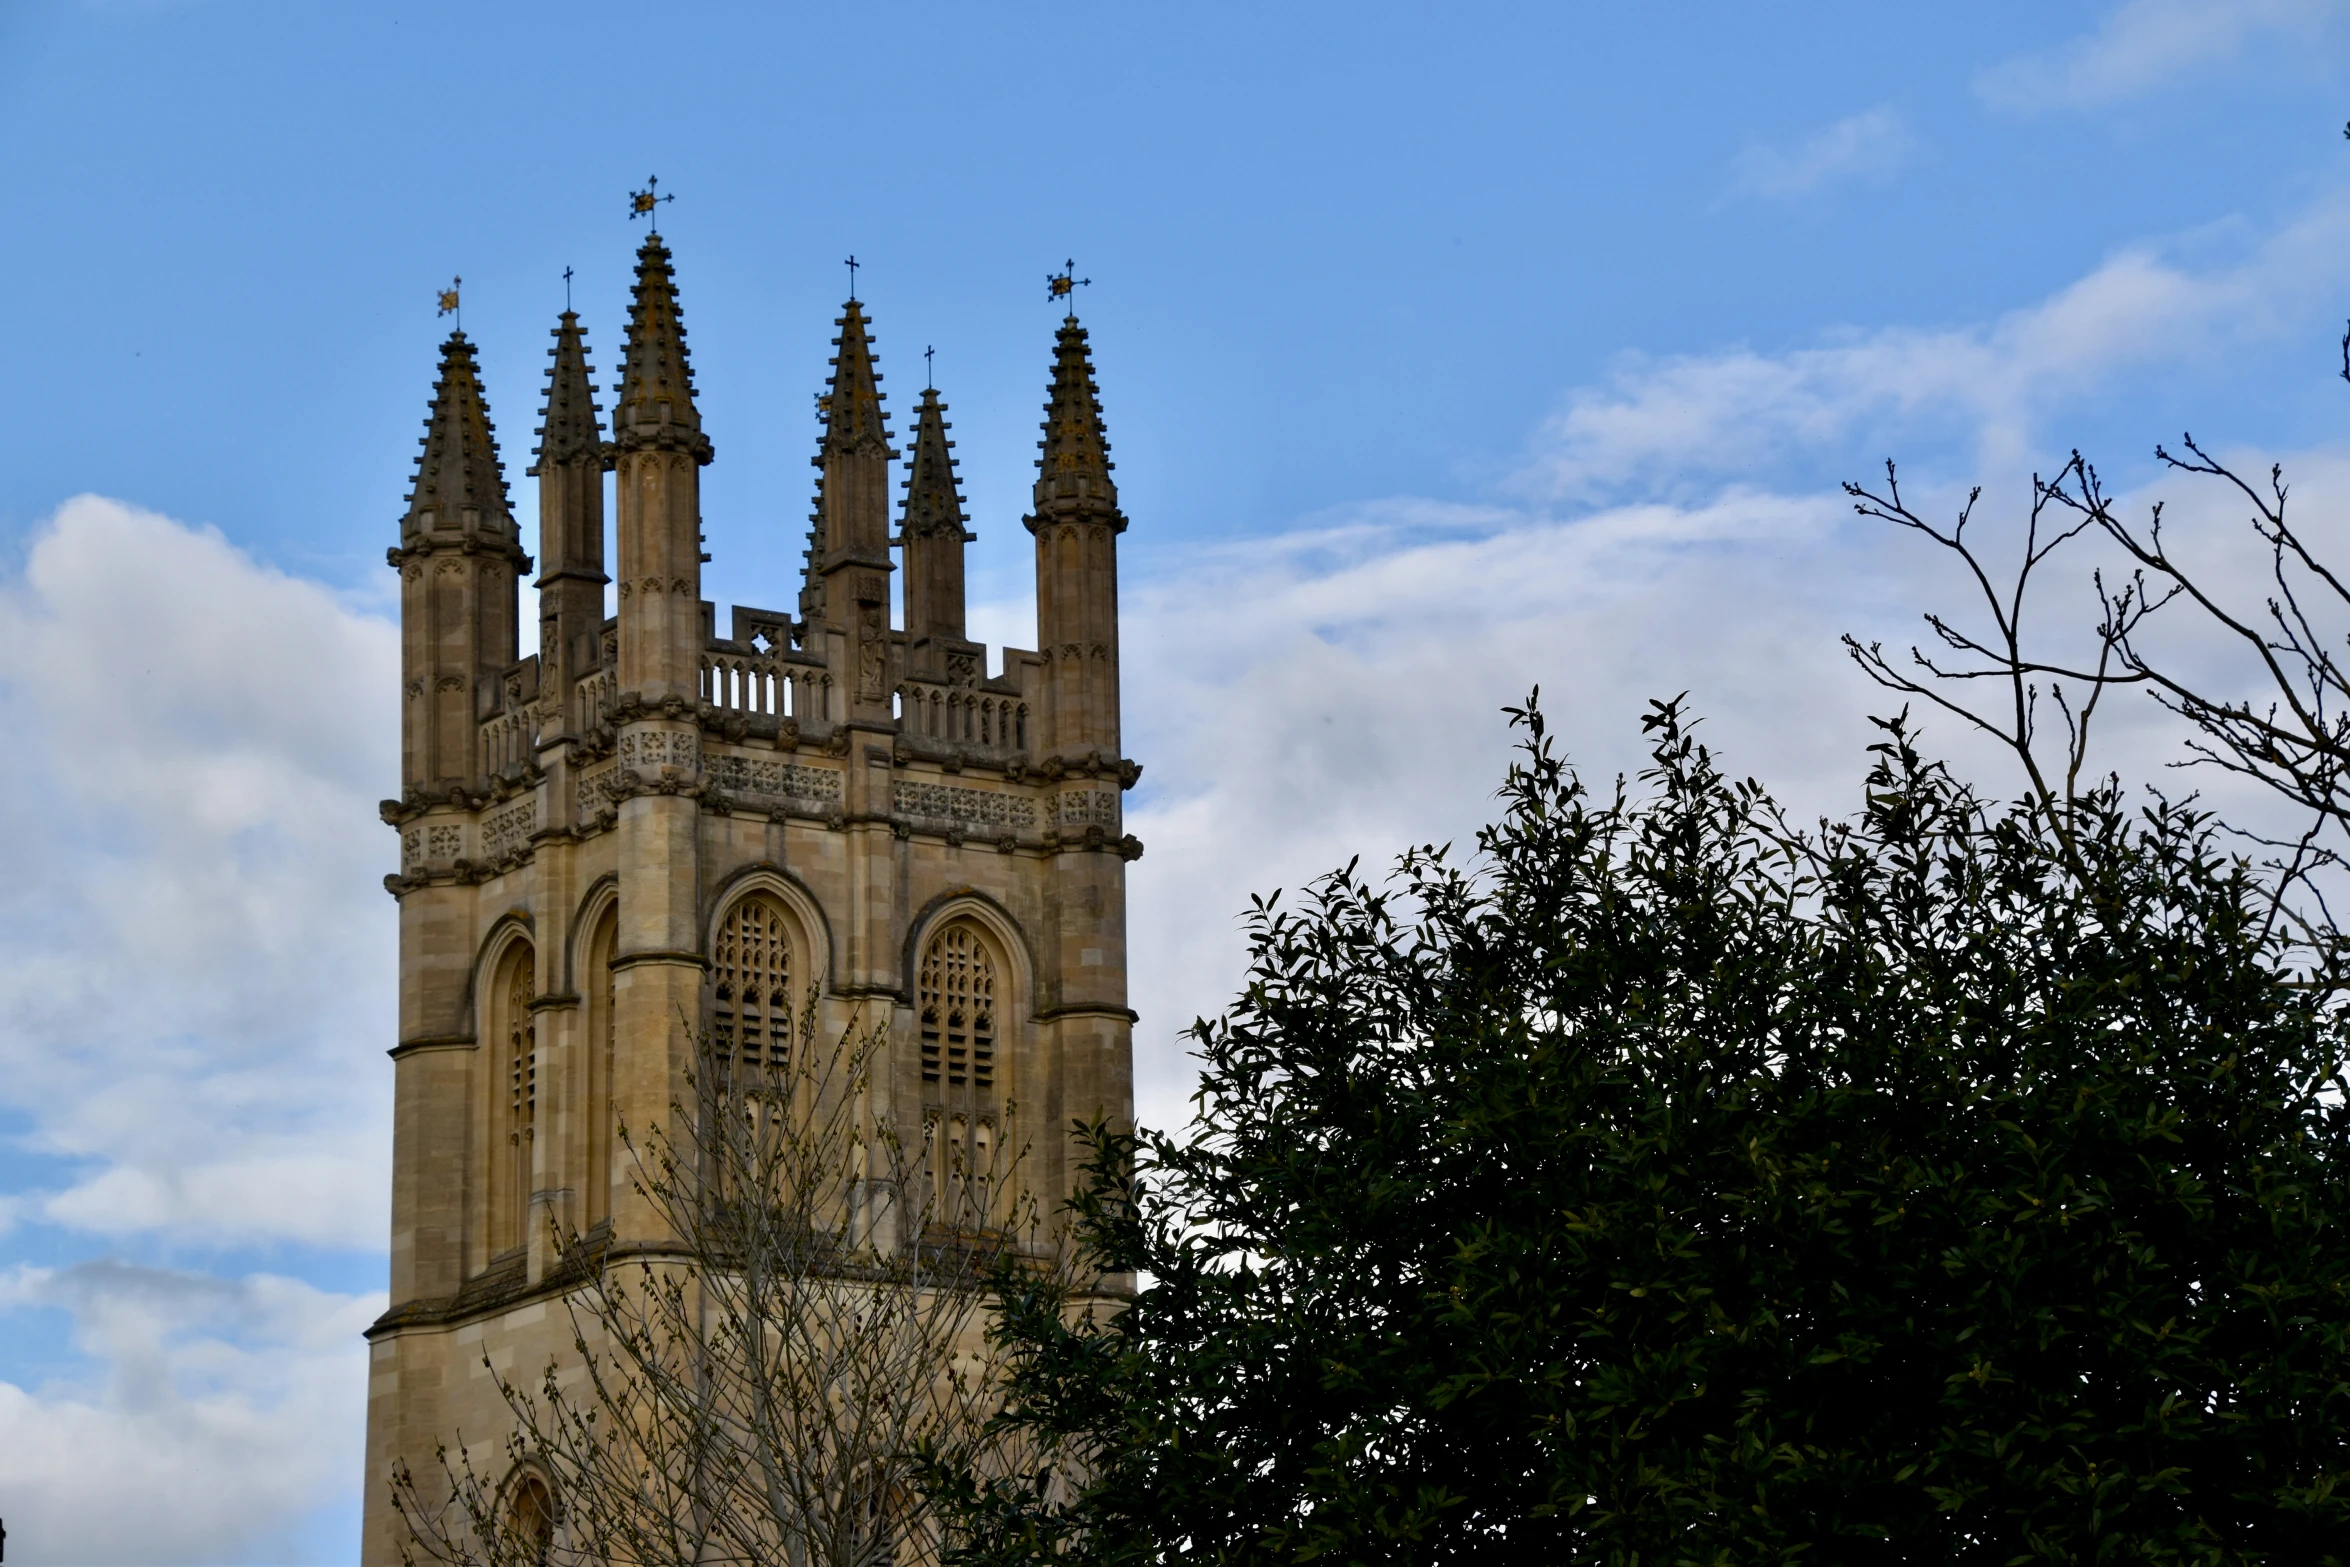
<point>1078,807</point>
<point>504,831</point>
<point>966,808</point>
<point>595,791</point>
<point>810,791</point>
<point>653,748</point>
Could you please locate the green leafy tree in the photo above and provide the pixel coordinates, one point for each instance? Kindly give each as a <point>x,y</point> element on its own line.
<point>1961,1183</point>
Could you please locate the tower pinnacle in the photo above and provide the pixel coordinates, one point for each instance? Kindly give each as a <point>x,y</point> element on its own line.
<point>1073,470</point>
<point>655,407</point>
<point>934,497</point>
<point>934,534</point>
<point>853,418</point>
<point>459,484</point>
<point>570,468</point>
<point>850,525</point>
<point>574,427</point>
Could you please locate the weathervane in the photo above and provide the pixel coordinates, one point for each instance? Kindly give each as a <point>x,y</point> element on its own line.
<point>641,203</point>
<point>852,264</point>
<point>449,302</point>
<point>1066,282</point>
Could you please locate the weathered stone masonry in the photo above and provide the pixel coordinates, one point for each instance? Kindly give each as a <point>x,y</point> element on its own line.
<point>644,820</point>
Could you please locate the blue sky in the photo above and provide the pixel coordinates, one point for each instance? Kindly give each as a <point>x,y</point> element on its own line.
<point>1445,350</point>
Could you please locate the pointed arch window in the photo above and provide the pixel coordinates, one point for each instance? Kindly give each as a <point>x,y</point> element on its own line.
<point>957,1002</point>
<point>603,992</point>
<point>530,1520</point>
<point>958,990</point>
<point>517,1090</point>
<point>751,983</point>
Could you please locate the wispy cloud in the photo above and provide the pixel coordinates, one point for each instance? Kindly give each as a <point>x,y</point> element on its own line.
<point>1335,690</point>
<point>2142,44</point>
<point>1682,425</point>
<point>197,975</point>
<point>220,1411</point>
<point>197,980</point>
<point>1872,145</point>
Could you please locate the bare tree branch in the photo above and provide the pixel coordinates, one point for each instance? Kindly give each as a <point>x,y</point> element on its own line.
<point>756,1391</point>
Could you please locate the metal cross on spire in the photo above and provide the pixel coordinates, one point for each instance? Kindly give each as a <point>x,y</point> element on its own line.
<point>566,290</point>
<point>449,302</point>
<point>1065,283</point>
<point>852,264</point>
<point>643,203</point>
<point>929,380</point>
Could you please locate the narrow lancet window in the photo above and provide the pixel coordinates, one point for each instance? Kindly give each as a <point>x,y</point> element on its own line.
<point>516,1033</point>
<point>958,996</point>
<point>751,984</point>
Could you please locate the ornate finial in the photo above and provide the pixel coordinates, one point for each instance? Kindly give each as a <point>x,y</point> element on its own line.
<point>641,203</point>
<point>929,381</point>
<point>567,289</point>
<point>852,264</point>
<point>449,302</point>
<point>1062,284</point>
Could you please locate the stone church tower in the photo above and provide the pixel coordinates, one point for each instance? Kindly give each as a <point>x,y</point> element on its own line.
<point>647,820</point>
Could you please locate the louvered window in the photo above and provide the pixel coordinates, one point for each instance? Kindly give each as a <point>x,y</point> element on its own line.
<point>957,999</point>
<point>751,1003</point>
<point>518,1062</point>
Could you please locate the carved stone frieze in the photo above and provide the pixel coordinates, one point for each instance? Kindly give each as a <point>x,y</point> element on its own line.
<point>816,791</point>
<point>593,787</point>
<point>652,748</point>
<point>1077,807</point>
<point>949,803</point>
<point>510,829</point>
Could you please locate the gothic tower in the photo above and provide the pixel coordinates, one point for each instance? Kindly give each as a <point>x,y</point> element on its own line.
<point>646,821</point>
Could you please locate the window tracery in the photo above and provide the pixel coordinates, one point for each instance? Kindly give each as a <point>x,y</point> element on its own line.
<point>517,1086</point>
<point>751,983</point>
<point>957,998</point>
<point>531,1517</point>
<point>957,993</point>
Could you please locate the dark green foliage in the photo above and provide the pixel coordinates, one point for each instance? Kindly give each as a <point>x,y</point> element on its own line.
<point>1956,1185</point>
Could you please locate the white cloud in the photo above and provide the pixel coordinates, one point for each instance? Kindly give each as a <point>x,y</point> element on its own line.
<point>1335,690</point>
<point>225,1411</point>
<point>195,982</point>
<point>197,972</point>
<point>2142,44</point>
<point>1686,425</point>
<point>1872,145</point>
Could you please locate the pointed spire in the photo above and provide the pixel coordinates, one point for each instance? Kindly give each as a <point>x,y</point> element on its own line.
<point>573,428</point>
<point>933,536</point>
<point>459,483</point>
<point>850,522</point>
<point>934,500</point>
<point>853,418</point>
<point>1073,474</point>
<point>655,407</point>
